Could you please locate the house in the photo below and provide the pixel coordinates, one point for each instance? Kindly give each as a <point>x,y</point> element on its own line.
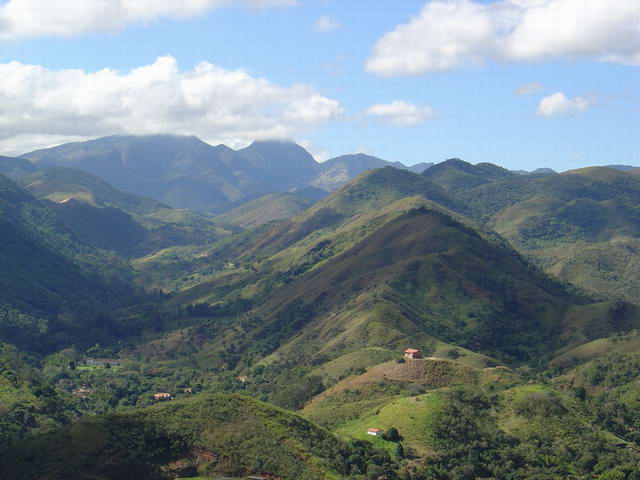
<point>188,390</point>
<point>412,353</point>
<point>83,392</point>
<point>242,378</point>
<point>376,432</point>
<point>162,396</point>
<point>102,362</point>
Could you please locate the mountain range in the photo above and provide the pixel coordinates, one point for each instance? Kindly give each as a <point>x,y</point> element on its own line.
<point>185,172</point>
<point>301,286</point>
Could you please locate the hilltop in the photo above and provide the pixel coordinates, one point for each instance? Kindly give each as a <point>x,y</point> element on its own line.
<point>582,226</point>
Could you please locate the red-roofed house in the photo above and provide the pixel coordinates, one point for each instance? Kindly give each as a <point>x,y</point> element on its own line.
<point>376,432</point>
<point>412,353</point>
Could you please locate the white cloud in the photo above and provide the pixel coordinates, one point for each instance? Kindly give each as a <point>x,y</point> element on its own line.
<point>218,105</point>
<point>454,33</point>
<point>558,104</point>
<point>401,113</point>
<point>66,18</point>
<point>325,24</point>
<point>528,88</point>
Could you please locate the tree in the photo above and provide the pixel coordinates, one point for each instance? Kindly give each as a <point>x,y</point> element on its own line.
<point>399,451</point>
<point>392,435</point>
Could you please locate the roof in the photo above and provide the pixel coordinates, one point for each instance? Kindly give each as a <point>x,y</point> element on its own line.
<point>411,350</point>
<point>374,430</point>
<point>162,394</point>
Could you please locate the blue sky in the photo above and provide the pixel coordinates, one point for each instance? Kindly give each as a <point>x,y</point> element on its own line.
<point>446,104</point>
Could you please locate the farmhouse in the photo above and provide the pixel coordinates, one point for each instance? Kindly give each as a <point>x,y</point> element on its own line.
<point>83,392</point>
<point>102,362</point>
<point>243,379</point>
<point>412,353</point>
<point>376,432</point>
<point>162,396</point>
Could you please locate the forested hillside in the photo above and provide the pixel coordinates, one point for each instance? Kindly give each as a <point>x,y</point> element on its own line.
<point>109,299</point>
<point>581,226</point>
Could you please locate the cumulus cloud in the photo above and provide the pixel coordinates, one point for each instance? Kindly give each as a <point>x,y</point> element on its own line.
<point>325,24</point>
<point>455,33</point>
<point>401,113</point>
<point>218,105</point>
<point>558,104</point>
<point>528,88</point>
<point>66,18</point>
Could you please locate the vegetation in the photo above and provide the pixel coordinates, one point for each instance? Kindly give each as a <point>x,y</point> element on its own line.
<point>524,377</point>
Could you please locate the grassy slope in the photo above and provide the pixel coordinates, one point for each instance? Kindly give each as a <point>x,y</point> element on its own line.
<point>213,434</point>
<point>581,226</point>
<point>107,218</point>
<point>358,397</point>
<point>357,271</point>
<point>274,206</point>
<point>60,183</point>
<point>524,412</point>
<point>418,278</point>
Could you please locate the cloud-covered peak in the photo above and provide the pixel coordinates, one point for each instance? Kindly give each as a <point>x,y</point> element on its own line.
<point>44,107</point>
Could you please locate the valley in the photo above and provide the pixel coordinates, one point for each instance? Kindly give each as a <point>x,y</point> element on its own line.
<point>242,313</point>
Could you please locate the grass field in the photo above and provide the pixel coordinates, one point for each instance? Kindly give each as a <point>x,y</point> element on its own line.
<point>410,415</point>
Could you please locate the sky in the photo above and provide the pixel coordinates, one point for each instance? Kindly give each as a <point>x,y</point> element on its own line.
<point>524,84</point>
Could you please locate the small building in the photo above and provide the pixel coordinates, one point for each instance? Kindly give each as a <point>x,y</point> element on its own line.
<point>376,432</point>
<point>83,392</point>
<point>412,353</point>
<point>243,378</point>
<point>102,362</point>
<point>162,396</point>
<point>187,390</point>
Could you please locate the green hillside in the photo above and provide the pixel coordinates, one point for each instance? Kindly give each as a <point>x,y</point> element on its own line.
<point>16,167</point>
<point>581,226</point>
<point>209,435</point>
<point>110,219</point>
<point>274,206</point>
<point>62,183</point>
<point>456,175</point>
<point>522,432</point>
<point>53,289</point>
<point>359,269</point>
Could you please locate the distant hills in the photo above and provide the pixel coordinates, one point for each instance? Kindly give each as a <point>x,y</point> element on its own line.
<point>53,287</point>
<point>185,172</point>
<point>582,226</point>
<point>338,171</point>
<point>107,218</point>
<point>382,263</point>
<point>521,291</point>
<point>16,167</point>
